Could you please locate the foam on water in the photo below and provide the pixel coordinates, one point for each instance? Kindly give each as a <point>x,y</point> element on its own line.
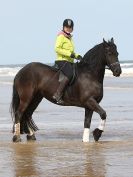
<point>9,71</point>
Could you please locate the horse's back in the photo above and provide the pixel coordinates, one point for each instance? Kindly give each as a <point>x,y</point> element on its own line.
<point>32,69</point>
<point>36,75</point>
<point>34,66</point>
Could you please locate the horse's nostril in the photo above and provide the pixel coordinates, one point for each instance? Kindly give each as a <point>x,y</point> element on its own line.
<point>117,72</point>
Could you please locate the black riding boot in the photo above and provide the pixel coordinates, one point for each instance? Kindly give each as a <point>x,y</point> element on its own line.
<point>59,93</point>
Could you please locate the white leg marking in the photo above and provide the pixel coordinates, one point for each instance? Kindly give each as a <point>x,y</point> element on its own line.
<point>86,135</point>
<point>31,131</point>
<point>17,129</point>
<point>102,125</point>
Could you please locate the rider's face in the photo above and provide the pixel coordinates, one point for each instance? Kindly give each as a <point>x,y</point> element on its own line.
<point>68,29</point>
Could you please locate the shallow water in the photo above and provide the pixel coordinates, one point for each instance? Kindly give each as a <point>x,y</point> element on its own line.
<point>59,150</point>
<point>67,158</point>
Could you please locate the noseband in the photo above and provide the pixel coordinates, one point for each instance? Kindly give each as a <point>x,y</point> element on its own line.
<point>113,64</point>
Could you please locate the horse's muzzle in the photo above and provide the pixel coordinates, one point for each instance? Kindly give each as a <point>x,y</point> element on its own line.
<point>116,69</point>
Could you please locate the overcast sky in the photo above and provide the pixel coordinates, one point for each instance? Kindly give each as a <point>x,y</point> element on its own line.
<point>28,28</point>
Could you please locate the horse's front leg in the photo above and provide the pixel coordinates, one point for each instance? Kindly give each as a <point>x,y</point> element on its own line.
<point>87,123</point>
<point>94,106</point>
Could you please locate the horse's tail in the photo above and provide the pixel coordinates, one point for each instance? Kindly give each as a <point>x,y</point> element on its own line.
<point>15,102</point>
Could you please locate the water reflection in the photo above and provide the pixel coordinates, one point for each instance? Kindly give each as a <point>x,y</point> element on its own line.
<point>95,160</point>
<point>24,160</point>
<point>58,160</point>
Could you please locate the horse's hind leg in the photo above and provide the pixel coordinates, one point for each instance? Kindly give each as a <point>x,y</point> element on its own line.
<point>28,117</point>
<point>18,116</point>
<point>24,102</point>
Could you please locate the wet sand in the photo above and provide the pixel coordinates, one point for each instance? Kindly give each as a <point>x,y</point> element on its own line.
<point>67,158</point>
<point>59,151</point>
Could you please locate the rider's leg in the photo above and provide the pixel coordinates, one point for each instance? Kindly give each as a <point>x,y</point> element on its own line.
<point>67,69</point>
<point>57,96</point>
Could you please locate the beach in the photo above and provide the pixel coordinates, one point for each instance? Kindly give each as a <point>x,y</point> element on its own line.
<point>59,150</point>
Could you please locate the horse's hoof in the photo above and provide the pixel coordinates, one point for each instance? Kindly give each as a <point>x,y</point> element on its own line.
<point>31,138</point>
<point>16,139</point>
<point>60,102</point>
<point>103,116</point>
<point>58,99</point>
<point>97,134</point>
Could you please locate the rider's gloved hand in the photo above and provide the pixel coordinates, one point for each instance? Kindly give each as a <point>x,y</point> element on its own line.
<point>72,55</point>
<point>79,57</point>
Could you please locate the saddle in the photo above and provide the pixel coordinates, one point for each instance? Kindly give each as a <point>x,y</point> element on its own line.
<point>61,75</point>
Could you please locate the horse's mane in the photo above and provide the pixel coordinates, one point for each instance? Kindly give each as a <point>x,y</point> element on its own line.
<point>94,56</point>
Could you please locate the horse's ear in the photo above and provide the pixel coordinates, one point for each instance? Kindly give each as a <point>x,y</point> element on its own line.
<point>112,40</point>
<point>104,40</point>
<point>105,43</point>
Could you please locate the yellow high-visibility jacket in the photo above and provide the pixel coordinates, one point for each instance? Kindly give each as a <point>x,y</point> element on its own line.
<point>64,47</point>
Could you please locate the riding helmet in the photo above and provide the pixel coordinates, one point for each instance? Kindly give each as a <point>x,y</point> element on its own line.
<point>68,23</point>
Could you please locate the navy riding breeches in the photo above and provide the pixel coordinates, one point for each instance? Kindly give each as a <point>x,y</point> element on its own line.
<point>66,67</point>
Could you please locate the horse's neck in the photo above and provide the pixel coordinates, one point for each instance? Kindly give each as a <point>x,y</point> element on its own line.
<point>99,74</point>
<point>95,61</point>
<point>97,71</point>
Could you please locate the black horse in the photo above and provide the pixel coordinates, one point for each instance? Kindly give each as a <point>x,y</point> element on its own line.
<point>36,80</point>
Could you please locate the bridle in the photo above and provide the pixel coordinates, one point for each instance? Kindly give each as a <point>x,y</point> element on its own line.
<point>113,64</point>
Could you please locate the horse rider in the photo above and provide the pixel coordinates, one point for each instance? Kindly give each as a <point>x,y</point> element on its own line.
<point>64,49</point>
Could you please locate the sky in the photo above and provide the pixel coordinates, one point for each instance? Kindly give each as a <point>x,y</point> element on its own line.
<point>28,28</point>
